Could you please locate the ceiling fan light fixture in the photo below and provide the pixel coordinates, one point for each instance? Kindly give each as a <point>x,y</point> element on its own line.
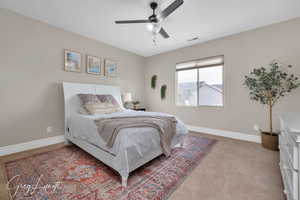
<point>154,28</point>
<point>153,22</point>
<point>149,27</point>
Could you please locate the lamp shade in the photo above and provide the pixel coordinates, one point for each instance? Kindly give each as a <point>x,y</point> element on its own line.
<point>127,97</point>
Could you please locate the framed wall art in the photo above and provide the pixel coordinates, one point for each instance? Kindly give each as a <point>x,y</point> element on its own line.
<point>93,65</point>
<point>110,68</point>
<point>72,61</point>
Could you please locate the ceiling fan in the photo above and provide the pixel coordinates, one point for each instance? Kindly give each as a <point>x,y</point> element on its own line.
<point>155,19</point>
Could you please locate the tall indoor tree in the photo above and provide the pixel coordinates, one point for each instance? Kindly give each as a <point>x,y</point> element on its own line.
<point>268,85</point>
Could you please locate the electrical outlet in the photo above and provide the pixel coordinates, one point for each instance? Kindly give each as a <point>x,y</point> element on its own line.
<point>49,129</point>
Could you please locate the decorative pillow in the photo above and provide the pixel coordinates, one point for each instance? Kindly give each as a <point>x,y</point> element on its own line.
<point>107,98</point>
<point>98,104</point>
<point>108,104</point>
<point>83,111</point>
<point>88,99</point>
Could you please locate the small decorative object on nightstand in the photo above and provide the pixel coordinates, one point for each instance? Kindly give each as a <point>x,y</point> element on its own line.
<point>135,103</point>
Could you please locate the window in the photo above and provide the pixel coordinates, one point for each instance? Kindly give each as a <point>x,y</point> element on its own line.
<point>200,82</point>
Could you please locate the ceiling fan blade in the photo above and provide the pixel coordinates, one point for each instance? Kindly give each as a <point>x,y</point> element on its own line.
<point>163,33</point>
<point>170,9</point>
<point>132,21</point>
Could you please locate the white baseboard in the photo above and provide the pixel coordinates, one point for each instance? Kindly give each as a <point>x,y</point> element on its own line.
<point>10,149</point>
<point>228,134</point>
<point>15,148</point>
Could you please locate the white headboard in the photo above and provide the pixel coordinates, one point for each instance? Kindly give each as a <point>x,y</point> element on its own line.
<point>72,101</point>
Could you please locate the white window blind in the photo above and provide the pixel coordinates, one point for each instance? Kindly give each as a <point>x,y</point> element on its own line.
<point>205,62</point>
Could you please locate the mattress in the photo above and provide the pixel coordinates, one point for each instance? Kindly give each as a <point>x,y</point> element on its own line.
<point>139,140</point>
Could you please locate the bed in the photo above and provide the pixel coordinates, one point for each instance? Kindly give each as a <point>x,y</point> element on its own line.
<point>133,147</point>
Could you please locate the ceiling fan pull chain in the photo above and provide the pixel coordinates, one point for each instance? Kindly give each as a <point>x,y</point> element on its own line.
<point>154,40</point>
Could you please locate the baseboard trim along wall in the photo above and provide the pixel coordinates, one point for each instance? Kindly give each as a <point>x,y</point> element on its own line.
<point>228,134</point>
<point>6,150</point>
<point>15,148</point>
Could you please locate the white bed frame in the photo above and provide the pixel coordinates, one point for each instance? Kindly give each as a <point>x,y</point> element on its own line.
<point>72,104</point>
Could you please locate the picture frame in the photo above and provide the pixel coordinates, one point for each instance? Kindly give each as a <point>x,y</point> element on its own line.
<point>73,61</point>
<point>93,65</point>
<point>110,68</point>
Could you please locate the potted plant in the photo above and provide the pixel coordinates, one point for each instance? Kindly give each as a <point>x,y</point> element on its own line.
<point>135,103</point>
<point>267,86</point>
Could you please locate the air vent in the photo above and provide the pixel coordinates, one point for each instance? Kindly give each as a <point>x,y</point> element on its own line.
<point>193,39</point>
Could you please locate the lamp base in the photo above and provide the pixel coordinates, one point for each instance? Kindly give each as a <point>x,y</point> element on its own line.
<point>126,105</point>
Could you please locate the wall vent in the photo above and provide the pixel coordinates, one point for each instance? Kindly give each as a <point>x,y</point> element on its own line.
<point>193,39</point>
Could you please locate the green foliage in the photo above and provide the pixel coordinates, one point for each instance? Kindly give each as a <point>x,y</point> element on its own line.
<point>163,91</point>
<point>135,102</point>
<point>268,85</point>
<point>153,81</point>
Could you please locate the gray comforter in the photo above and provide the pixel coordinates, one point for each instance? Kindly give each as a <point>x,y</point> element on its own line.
<point>109,128</point>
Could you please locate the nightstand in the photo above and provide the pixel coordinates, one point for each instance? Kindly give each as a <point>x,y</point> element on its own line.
<point>140,109</point>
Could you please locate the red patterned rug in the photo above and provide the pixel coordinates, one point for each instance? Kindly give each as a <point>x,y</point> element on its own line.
<point>70,173</point>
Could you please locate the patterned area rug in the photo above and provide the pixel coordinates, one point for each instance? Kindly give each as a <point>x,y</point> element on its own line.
<point>70,173</point>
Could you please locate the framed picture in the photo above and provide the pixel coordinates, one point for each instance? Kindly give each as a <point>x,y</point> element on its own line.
<point>110,68</point>
<point>93,65</point>
<point>72,61</point>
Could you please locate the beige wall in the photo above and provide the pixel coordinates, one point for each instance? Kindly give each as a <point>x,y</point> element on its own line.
<point>242,53</point>
<point>31,63</point>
